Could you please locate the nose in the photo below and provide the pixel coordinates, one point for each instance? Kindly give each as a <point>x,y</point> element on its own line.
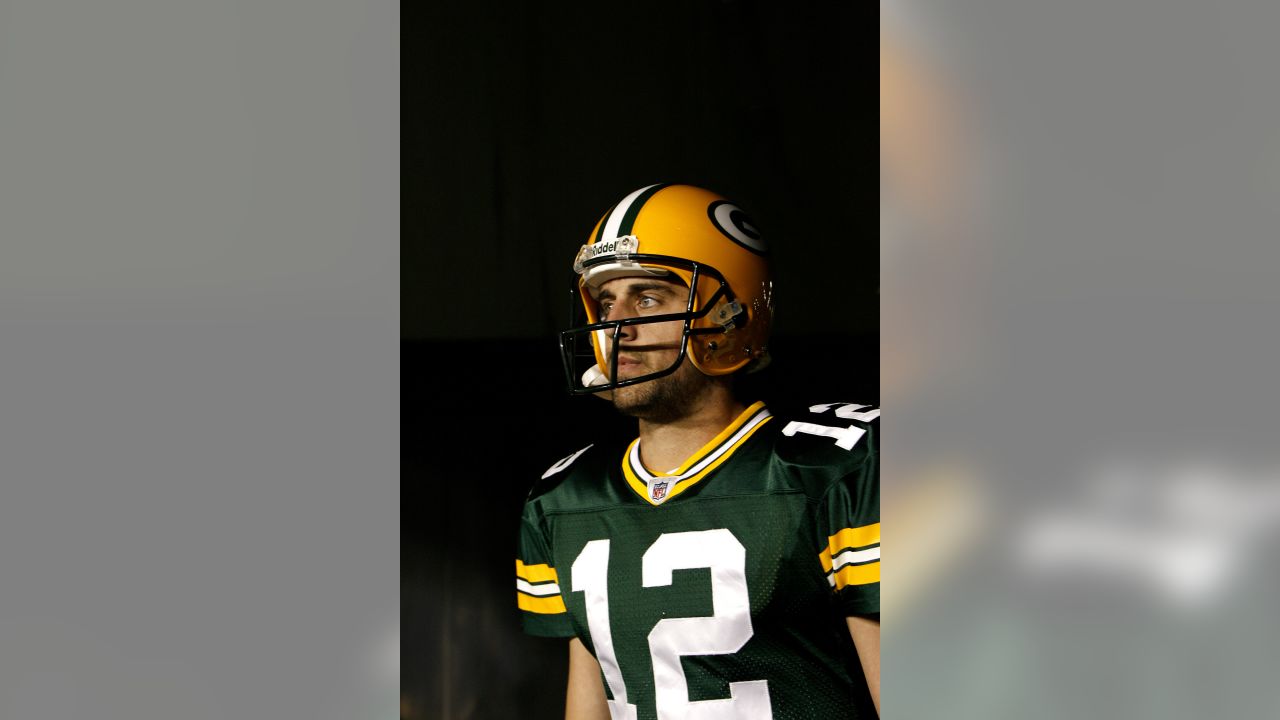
<point>624,332</point>
<point>613,341</point>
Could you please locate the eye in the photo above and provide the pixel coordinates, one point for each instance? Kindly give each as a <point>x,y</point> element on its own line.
<point>647,302</point>
<point>605,307</point>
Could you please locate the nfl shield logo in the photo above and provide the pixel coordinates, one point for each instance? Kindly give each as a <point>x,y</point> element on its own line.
<point>659,491</point>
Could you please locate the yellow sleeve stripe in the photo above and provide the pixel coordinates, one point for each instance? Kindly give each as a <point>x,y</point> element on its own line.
<point>853,538</point>
<point>540,605</point>
<point>536,573</point>
<point>858,575</point>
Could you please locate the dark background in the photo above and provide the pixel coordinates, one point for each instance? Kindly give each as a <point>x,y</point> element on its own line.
<point>522,124</point>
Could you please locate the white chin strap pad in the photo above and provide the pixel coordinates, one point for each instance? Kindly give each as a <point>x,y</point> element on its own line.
<point>595,376</point>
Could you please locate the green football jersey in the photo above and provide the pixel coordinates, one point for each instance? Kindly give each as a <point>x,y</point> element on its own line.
<point>720,589</point>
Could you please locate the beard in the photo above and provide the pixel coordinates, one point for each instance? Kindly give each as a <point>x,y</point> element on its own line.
<point>664,399</point>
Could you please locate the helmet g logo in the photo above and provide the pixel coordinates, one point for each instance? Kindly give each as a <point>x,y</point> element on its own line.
<point>730,220</point>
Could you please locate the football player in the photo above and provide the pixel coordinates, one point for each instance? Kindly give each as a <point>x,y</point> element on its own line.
<point>726,562</point>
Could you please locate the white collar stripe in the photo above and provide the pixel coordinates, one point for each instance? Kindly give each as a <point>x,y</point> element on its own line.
<point>634,456</point>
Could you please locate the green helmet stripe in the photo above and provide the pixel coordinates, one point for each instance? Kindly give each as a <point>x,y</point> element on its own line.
<point>633,209</point>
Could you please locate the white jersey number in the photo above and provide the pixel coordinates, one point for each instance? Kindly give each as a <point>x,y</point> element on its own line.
<point>591,577</point>
<point>845,437</point>
<point>726,631</point>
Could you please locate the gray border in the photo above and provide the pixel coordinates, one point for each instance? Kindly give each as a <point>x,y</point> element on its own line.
<point>199,313</point>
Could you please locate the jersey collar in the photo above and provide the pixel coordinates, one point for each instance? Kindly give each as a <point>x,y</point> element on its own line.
<point>657,488</point>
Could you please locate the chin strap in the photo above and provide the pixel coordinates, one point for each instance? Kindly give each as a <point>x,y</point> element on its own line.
<point>595,376</point>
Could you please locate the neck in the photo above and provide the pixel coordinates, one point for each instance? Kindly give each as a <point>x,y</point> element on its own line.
<point>665,445</point>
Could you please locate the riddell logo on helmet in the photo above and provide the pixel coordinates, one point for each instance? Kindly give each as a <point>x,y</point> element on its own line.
<point>617,246</point>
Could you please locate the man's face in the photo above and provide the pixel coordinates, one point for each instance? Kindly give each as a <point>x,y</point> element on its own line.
<point>645,349</point>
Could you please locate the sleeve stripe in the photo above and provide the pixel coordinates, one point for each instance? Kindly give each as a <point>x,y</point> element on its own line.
<point>857,575</point>
<point>850,545</point>
<point>536,573</point>
<point>854,538</point>
<point>856,557</point>
<point>540,605</point>
<point>542,590</point>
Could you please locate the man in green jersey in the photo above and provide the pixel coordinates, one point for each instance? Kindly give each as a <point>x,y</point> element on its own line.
<point>725,563</point>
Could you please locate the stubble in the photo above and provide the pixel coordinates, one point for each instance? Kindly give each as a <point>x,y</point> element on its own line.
<point>664,399</point>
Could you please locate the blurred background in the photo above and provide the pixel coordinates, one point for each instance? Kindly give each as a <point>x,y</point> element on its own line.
<point>522,125</point>
<point>1078,240</point>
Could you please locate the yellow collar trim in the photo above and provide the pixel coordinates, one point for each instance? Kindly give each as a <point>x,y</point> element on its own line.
<point>665,486</point>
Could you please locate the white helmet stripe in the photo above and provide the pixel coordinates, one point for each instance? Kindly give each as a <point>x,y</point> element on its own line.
<point>614,223</point>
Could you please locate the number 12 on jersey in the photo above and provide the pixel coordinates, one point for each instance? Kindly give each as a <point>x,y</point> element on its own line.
<point>845,437</point>
<point>724,632</point>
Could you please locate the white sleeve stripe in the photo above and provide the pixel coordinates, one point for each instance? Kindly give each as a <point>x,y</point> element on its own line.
<point>542,590</point>
<point>563,463</point>
<point>850,557</point>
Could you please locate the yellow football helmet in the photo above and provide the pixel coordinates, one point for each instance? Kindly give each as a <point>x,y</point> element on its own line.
<point>700,238</point>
